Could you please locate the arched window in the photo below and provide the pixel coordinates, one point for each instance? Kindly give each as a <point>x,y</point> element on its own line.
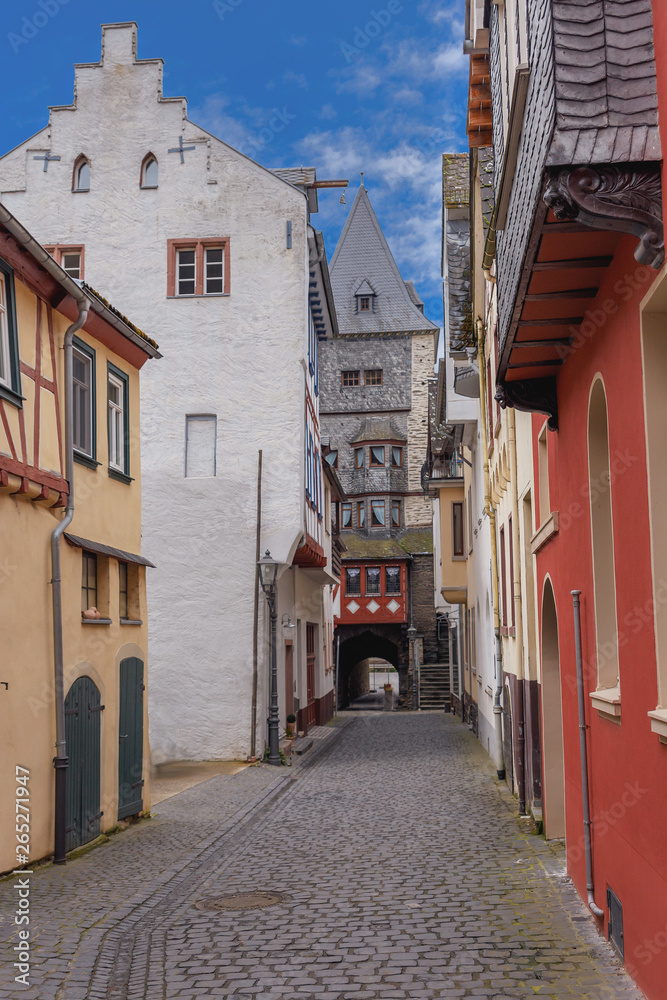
<point>81,179</point>
<point>149,172</point>
<point>603,539</point>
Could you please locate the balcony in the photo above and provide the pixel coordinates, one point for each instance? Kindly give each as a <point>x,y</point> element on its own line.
<point>466,382</point>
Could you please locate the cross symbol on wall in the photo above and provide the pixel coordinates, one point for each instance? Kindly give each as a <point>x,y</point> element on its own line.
<point>180,148</point>
<point>47,158</point>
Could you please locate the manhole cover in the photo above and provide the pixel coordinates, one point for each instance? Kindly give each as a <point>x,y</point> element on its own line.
<point>240,901</point>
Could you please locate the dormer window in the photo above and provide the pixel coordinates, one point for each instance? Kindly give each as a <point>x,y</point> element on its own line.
<point>365,298</point>
<point>149,172</point>
<point>81,181</point>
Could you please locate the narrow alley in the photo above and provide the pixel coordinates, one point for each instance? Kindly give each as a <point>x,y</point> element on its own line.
<point>388,863</point>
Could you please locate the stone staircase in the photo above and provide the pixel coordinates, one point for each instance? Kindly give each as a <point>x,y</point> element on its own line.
<point>435,685</point>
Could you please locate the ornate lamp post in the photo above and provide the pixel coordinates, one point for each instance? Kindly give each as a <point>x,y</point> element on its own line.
<point>268,570</point>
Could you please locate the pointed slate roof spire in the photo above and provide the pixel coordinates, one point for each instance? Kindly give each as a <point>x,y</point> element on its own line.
<point>362,258</point>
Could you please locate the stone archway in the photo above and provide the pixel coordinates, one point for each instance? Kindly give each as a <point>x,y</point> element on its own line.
<point>358,644</point>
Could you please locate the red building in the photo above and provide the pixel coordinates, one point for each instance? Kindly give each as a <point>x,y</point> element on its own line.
<point>582,324</point>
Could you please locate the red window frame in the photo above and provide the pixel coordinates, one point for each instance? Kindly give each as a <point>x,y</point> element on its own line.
<point>350,378</point>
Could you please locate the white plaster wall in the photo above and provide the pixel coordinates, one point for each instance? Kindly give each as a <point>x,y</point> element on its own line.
<point>239,357</point>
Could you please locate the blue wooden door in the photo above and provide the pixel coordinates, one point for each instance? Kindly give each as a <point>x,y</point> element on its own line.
<point>131,738</point>
<point>83,713</point>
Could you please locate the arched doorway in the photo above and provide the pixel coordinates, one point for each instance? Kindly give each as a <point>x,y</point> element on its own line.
<point>552,720</point>
<point>356,651</point>
<point>82,736</point>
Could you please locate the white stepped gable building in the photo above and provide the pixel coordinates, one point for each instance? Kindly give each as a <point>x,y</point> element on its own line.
<point>217,254</point>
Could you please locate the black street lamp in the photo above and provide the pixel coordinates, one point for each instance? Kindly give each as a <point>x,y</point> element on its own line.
<point>268,571</point>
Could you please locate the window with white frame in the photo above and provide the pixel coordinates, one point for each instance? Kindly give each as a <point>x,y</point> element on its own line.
<point>118,416</point>
<point>186,277</point>
<point>214,262</point>
<point>5,362</point>
<point>198,267</point>
<point>83,391</point>
<point>10,373</point>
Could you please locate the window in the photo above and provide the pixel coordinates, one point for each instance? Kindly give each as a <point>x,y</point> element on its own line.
<point>81,179</point>
<point>186,272</point>
<point>396,458</point>
<point>377,455</point>
<point>119,436</point>
<point>372,580</point>
<point>364,303</point>
<point>88,581</point>
<point>10,374</point>
<point>332,459</point>
<point>396,513</point>
<point>358,458</point>
<point>470,520</point>
<point>503,577</point>
<point>543,475</point>
<point>346,512</point>
<point>149,172</point>
<point>457,531</point>
<point>373,376</point>
<point>353,582</point>
<point>361,514</point>
<point>214,261</point>
<point>198,267</point>
<point>70,259</point>
<point>510,545</point>
<point>200,446</point>
<point>349,378</point>
<point>392,579</point>
<point>377,512</point>
<point>83,385</point>
<point>123,603</point>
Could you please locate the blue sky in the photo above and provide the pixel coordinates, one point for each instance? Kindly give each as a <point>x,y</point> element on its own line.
<point>379,87</point>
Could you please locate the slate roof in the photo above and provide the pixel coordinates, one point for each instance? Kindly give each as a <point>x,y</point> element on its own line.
<point>378,429</point>
<point>415,542</point>
<point>363,255</point>
<point>456,250</point>
<point>606,100</point>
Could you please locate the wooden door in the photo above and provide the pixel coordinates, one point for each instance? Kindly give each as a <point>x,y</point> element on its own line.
<point>131,738</point>
<point>310,674</point>
<point>289,678</point>
<point>82,737</point>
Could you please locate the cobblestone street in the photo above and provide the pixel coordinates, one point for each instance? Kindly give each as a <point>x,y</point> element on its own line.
<point>401,872</point>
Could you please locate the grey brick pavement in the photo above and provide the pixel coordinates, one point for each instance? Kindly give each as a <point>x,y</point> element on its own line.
<point>404,874</point>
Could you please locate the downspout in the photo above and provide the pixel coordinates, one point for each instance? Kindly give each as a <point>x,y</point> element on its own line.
<point>520,710</point>
<point>583,750</point>
<point>60,760</point>
<point>255,624</point>
<point>491,514</point>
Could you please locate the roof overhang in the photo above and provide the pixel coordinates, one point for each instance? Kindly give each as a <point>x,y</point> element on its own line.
<point>107,550</point>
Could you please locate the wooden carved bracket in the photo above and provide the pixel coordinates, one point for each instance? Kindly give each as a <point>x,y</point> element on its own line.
<point>533,396</point>
<point>624,197</point>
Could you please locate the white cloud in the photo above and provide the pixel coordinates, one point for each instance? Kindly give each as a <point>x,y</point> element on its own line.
<point>298,40</point>
<point>328,111</point>
<point>298,78</point>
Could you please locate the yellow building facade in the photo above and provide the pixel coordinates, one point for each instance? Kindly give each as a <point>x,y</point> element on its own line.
<point>99,693</point>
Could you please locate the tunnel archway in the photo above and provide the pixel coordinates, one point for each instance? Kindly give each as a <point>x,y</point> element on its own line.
<point>355,650</point>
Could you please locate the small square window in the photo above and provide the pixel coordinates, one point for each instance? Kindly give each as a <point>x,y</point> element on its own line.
<point>353,582</point>
<point>373,376</point>
<point>349,378</point>
<point>358,458</point>
<point>88,581</point>
<point>377,455</point>
<point>71,262</point>
<point>361,514</point>
<point>396,458</point>
<point>372,580</point>
<point>392,580</point>
<point>346,515</point>
<point>364,303</point>
<point>377,512</point>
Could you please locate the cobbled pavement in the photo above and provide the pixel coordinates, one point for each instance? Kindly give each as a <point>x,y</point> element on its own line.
<point>403,870</point>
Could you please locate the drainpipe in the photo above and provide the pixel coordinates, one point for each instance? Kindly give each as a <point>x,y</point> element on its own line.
<point>498,754</point>
<point>255,621</point>
<point>60,761</point>
<point>520,711</point>
<point>590,888</point>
